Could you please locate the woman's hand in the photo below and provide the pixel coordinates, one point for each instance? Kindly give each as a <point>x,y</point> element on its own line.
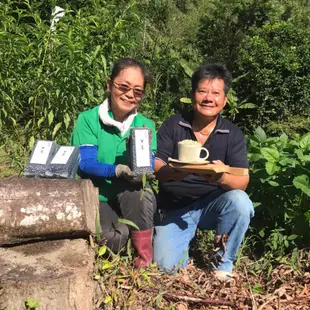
<point>123,171</point>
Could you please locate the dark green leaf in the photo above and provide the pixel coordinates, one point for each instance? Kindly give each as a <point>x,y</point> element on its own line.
<point>271,168</point>
<point>260,134</point>
<point>127,222</point>
<point>271,155</point>
<point>186,100</point>
<point>302,182</point>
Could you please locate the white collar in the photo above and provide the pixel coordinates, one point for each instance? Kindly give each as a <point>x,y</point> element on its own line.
<point>107,120</point>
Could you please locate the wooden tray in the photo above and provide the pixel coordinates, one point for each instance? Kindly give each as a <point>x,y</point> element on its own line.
<point>209,169</point>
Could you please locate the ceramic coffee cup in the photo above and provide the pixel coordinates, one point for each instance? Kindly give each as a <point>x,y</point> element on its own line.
<point>190,150</point>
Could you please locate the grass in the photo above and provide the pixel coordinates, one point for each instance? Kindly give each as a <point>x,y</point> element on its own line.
<point>6,169</point>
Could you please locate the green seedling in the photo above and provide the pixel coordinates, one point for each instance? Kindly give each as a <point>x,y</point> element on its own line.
<point>31,304</point>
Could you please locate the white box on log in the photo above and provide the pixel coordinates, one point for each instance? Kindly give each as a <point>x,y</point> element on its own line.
<point>40,157</point>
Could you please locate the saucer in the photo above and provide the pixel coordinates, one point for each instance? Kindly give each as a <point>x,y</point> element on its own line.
<point>198,162</point>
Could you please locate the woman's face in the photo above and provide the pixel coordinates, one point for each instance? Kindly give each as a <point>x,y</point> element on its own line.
<point>126,91</point>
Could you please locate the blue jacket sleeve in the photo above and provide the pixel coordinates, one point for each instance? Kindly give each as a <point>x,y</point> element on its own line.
<point>90,165</point>
<point>153,160</point>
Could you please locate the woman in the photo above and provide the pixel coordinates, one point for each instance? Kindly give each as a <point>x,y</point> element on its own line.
<point>101,134</point>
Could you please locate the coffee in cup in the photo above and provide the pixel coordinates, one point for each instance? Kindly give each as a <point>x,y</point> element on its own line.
<point>189,151</point>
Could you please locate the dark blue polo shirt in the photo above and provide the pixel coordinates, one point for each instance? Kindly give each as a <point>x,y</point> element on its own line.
<point>226,143</point>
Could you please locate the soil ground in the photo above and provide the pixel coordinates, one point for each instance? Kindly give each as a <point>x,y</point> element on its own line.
<point>195,288</point>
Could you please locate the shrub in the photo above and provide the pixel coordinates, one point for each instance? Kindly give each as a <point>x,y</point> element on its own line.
<point>48,76</point>
<point>280,188</point>
<point>277,60</point>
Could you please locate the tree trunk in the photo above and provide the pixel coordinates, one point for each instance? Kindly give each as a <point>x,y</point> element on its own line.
<point>34,209</point>
<point>59,274</point>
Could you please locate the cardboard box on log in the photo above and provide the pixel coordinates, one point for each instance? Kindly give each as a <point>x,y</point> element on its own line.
<point>36,209</point>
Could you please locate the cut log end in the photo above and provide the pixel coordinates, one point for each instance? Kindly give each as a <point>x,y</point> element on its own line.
<point>32,209</point>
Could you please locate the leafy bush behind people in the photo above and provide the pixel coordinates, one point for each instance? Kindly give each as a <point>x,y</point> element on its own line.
<point>280,188</point>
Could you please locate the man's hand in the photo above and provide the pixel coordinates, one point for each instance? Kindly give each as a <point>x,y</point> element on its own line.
<point>226,180</point>
<point>177,175</point>
<point>214,178</point>
<point>166,173</point>
<point>123,171</point>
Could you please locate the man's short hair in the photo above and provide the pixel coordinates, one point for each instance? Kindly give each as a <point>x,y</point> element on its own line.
<point>211,72</point>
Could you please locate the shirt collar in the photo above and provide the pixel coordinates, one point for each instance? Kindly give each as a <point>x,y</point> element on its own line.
<point>188,120</point>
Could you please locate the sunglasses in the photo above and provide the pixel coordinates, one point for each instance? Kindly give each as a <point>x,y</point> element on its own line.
<point>124,88</point>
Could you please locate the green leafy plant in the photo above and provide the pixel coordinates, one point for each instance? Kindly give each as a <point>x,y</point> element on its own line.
<point>48,77</point>
<point>128,222</point>
<point>257,288</point>
<point>31,304</point>
<point>280,170</point>
<point>118,271</point>
<point>145,187</point>
<point>274,56</point>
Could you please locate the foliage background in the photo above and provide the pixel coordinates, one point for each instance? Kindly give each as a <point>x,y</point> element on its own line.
<point>48,76</point>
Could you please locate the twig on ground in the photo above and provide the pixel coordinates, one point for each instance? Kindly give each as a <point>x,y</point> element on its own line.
<point>297,299</point>
<point>304,291</point>
<point>267,302</point>
<point>250,289</point>
<point>194,299</point>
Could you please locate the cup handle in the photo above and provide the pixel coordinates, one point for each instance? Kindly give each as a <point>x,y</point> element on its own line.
<point>207,153</point>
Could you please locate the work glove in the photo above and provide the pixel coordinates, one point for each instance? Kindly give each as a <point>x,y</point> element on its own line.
<point>149,177</point>
<point>123,171</point>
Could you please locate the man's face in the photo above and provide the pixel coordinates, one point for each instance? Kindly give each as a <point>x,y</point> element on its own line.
<point>209,98</point>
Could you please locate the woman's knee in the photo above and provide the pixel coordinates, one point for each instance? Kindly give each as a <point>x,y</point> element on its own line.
<point>139,206</point>
<point>116,238</point>
<point>139,198</point>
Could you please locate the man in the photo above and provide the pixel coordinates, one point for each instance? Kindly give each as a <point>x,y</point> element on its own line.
<point>188,200</point>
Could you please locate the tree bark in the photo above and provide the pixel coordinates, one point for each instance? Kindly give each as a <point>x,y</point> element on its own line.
<point>36,209</point>
<point>59,274</point>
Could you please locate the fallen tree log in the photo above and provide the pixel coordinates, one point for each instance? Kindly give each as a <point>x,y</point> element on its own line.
<point>58,274</point>
<point>40,209</point>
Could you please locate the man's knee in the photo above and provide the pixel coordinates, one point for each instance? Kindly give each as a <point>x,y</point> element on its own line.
<point>169,253</point>
<point>240,201</point>
<point>165,260</point>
